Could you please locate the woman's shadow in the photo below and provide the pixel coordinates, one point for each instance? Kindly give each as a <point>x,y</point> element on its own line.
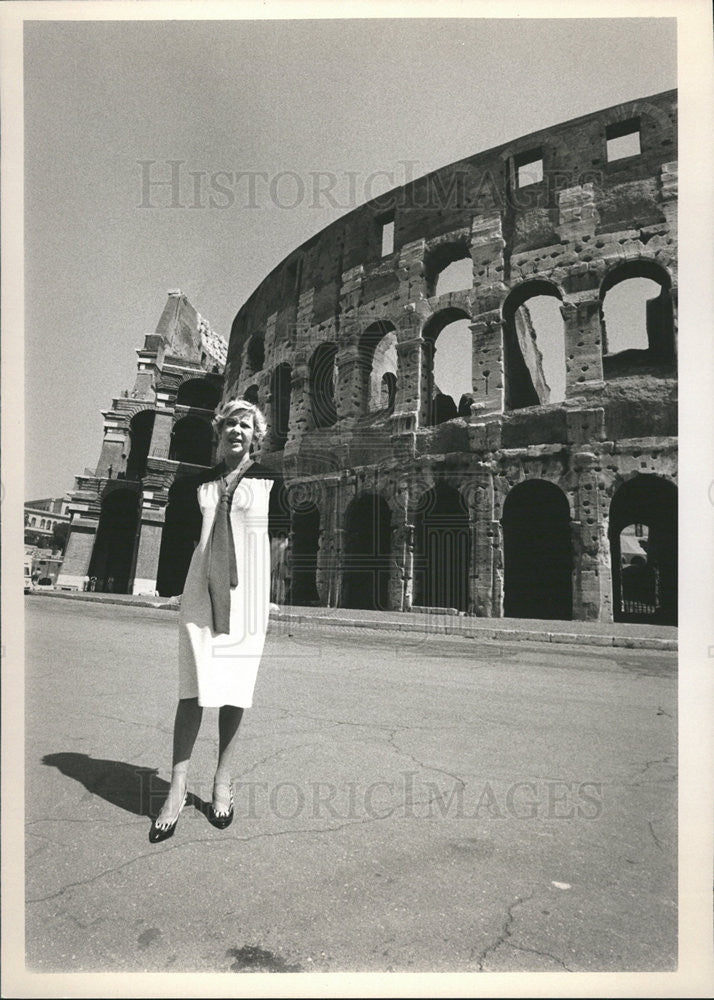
<point>137,790</point>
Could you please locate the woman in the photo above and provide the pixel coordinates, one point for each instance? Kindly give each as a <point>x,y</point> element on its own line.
<point>224,609</point>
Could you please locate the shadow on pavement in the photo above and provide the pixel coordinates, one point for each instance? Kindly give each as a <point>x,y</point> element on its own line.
<point>137,790</point>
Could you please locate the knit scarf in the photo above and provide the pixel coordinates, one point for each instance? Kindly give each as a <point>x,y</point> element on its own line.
<point>222,568</point>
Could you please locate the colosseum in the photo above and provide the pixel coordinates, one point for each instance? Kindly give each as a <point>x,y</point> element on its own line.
<point>546,487</point>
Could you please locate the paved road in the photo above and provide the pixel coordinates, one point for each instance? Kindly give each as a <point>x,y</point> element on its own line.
<point>407,803</point>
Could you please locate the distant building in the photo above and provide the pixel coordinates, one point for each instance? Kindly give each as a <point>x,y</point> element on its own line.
<point>130,530</point>
<point>41,516</point>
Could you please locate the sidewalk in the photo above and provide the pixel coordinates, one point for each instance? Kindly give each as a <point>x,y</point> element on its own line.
<point>499,629</point>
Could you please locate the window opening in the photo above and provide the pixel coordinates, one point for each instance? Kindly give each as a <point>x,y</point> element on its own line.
<point>387,235</point>
<point>623,139</point>
<point>529,168</point>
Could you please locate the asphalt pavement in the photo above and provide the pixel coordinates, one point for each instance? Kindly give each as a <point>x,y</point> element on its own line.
<point>405,802</point>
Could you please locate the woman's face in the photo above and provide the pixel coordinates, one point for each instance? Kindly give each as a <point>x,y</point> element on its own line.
<point>237,435</point>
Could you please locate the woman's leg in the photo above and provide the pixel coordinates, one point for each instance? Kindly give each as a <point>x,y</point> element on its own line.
<point>229,718</point>
<point>186,726</point>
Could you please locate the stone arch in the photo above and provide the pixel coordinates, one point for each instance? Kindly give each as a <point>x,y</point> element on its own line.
<point>649,595</point>
<point>653,339</point>
<point>134,409</point>
<point>442,548</point>
<point>367,553</point>
<point>378,359</point>
<point>436,406</point>
<point>141,427</point>
<point>280,389</point>
<point>112,559</point>
<point>201,393</point>
<point>181,531</point>
<point>524,377</point>
<point>323,376</point>
<point>537,552</point>
<point>255,353</point>
<point>442,262</point>
<point>192,441</point>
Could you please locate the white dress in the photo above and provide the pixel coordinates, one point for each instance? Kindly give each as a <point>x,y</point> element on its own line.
<point>222,669</point>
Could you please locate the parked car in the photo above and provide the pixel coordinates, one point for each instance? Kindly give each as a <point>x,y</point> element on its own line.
<point>44,583</point>
<point>28,579</point>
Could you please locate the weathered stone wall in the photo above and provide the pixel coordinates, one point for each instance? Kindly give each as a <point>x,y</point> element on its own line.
<point>586,224</point>
<point>137,460</point>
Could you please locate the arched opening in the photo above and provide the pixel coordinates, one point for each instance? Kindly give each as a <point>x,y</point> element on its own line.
<point>323,379</point>
<point>647,591</point>
<point>378,364</point>
<point>442,550</point>
<point>537,552</point>
<point>140,430</point>
<point>446,369</point>
<point>255,353</point>
<point>448,268</point>
<point>305,546</point>
<point>198,392</point>
<point>182,529</point>
<point>388,391</point>
<point>191,441</point>
<point>368,532</point>
<point>637,317</point>
<point>112,559</point>
<point>533,346</point>
<point>251,394</point>
<point>280,385</point>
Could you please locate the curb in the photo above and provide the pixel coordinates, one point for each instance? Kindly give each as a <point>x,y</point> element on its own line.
<point>488,633</point>
<point>467,629</point>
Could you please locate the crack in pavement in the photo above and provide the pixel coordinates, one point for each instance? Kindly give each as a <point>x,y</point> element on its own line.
<point>505,932</point>
<point>275,755</point>
<point>420,763</point>
<point>543,954</point>
<point>210,842</point>
<point>659,760</point>
<point>656,839</point>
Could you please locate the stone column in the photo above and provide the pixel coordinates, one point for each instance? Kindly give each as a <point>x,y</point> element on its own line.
<point>148,546</point>
<point>404,420</point>
<point>487,376</point>
<point>583,342</point>
<point>115,446</point>
<point>161,434</point>
<point>401,549</point>
<point>78,553</point>
<point>495,533</point>
<point>592,587</point>
<point>481,571</point>
<point>300,414</point>
<point>349,391</point>
<point>329,557</point>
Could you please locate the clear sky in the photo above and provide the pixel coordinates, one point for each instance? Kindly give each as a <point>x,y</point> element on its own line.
<point>287,99</point>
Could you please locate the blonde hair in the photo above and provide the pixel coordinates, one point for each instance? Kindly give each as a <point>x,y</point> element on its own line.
<point>229,406</point>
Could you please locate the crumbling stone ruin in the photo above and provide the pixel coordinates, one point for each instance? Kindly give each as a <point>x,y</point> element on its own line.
<point>133,516</point>
<point>510,500</point>
<point>545,488</point>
